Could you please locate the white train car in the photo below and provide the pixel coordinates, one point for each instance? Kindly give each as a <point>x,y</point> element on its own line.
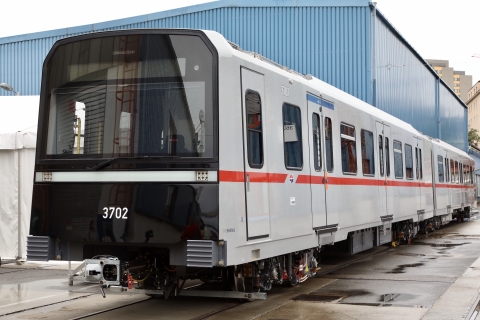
<point>276,166</point>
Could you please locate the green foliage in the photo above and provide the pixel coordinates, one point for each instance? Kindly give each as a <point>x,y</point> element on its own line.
<point>473,136</point>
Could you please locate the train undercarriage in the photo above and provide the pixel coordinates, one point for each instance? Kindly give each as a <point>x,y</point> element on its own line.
<point>150,273</point>
<point>404,232</point>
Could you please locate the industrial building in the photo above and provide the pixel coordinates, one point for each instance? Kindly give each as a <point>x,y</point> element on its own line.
<point>349,44</point>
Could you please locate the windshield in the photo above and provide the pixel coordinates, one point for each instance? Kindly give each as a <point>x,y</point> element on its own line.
<point>130,95</point>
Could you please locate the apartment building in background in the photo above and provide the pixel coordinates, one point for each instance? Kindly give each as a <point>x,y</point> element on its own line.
<point>473,103</point>
<point>458,81</point>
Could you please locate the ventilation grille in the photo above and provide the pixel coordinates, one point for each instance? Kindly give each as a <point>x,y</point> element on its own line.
<point>38,248</point>
<point>200,253</point>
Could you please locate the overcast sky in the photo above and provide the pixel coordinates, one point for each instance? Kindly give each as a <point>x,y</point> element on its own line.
<point>439,29</point>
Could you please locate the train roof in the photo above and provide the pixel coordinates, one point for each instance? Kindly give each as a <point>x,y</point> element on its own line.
<point>448,147</point>
<point>324,88</point>
<point>319,85</point>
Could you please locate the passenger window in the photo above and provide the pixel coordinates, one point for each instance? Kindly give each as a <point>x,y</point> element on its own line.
<point>417,167</point>
<point>292,137</point>
<point>460,169</point>
<point>317,156</point>
<point>420,162</point>
<point>368,151</point>
<point>465,174</point>
<point>398,159</point>
<point>348,148</point>
<point>447,171</point>
<point>254,129</point>
<point>441,177</point>
<point>387,156</point>
<point>452,171</point>
<point>408,161</point>
<point>380,153</point>
<point>457,175</point>
<point>328,144</point>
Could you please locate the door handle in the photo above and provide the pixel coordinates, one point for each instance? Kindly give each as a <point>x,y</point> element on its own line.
<point>248,183</point>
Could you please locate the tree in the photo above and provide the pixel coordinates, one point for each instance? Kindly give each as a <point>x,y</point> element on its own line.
<point>473,136</point>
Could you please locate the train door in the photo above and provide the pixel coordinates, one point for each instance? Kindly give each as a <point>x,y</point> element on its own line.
<point>328,116</point>
<point>418,173</point>
<point>384,147</point>
<point>255,159</point>
<point>428,178</point>
<point>317,161</point>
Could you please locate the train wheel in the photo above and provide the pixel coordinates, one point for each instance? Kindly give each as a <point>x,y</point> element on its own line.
<point>292,282</point>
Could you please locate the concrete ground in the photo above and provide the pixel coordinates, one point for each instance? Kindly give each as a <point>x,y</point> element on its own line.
<point>437,277</point>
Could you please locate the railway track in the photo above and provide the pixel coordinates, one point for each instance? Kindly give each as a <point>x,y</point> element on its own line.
<point>375,266</point>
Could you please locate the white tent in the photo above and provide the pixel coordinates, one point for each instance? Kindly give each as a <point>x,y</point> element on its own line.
<point>18,133</point>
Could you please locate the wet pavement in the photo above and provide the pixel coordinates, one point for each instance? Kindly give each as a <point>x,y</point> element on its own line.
<point>435,277</point>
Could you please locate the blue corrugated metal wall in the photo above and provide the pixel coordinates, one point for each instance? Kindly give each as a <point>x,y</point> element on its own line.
<point>334,40</point>
<point>330,43</point>
<point>405,87</point>
<point>452,119</point>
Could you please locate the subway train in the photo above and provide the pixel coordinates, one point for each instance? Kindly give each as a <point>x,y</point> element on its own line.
<point>165,155</point>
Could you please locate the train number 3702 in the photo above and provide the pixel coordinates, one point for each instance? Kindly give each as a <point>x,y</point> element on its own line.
<point>115,212</point>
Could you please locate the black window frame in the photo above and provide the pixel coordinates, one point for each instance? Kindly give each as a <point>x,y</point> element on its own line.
<point>44,158</point>
<point>400,150</point>
<point>405,148</point>
<point>317,142</point>
<point>352,138</point>
<point>363,144</point>
<point>299,137</point>
<point>329,165</point>
<point>387,156</point>
<point>452,171</point>
<point>457,175</point>
<point>447,170</point>
<point>381,155</point>
<point>440,169</point>
<point>418,163</point>
<point>460,170</point>
<point>247,129</point>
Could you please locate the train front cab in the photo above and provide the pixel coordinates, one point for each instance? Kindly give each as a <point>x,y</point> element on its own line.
<point>127,148</point>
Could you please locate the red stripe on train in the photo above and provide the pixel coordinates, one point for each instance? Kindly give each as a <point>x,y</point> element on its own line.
<point>239,176</point>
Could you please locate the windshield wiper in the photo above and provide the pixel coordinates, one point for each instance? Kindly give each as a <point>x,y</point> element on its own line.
<point>109,161</point>
<point>104,164</point>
